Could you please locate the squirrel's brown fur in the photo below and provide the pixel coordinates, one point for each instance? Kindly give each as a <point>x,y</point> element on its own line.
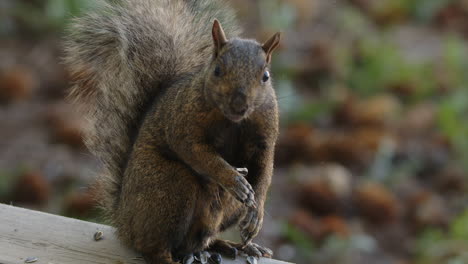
<point>173,111</point>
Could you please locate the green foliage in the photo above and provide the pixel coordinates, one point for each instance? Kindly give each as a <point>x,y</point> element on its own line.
<point>459,227</point>
<point>455,62</point>
<point>421,11</point>
<point>375,67</point>
<point>311,110</point>
<point>279,14</point>
<point>47,16</point>
<point>452,116</point>
<point>60,10</point>
<point>424,10</point>
<point>435,246</point>
<point>304,244</point>
<point>7,181</point>
<point>380,65</point>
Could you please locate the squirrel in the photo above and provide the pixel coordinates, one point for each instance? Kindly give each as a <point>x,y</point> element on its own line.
<point>179,109</point>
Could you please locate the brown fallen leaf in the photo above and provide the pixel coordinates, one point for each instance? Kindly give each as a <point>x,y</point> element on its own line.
<point>376,203</point>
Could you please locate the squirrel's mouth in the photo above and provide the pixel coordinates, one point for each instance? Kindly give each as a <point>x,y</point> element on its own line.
<point>236,114</point>
<point>234,117</point>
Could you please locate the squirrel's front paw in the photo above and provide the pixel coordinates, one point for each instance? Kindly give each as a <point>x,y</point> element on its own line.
<point>250,225</point>
<point>242,190</point>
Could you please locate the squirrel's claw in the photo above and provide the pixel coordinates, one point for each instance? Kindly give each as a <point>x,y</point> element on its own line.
<point>243,191</point>
<point>250,200</point>
<point>257,251</point>
<point>266,252</point>
<point>250,225</point>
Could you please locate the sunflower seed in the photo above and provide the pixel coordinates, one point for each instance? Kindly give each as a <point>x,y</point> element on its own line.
<point>31,260</point>
<point>243,171</point>
<point>98,235</point>
<point>251,260</point>
<point>189,259</point>
<point>204,256</point>
<point>215,259</point>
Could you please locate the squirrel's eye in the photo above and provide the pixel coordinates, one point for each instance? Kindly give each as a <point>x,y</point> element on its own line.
<point>266,76</point>
<point>217,71</point>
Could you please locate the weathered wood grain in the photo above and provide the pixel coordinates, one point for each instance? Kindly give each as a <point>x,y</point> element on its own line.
<point>59,240</point>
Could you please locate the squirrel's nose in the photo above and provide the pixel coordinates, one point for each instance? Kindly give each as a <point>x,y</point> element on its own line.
<point>239,104</point>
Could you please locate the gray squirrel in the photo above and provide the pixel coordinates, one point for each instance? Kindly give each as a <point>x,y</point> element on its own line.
<point>176,103</point>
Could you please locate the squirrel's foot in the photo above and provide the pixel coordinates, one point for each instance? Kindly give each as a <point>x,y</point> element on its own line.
<point>224,247</point>
<point>231,249</point>
<point>256,250</point>
<point>251,224</point>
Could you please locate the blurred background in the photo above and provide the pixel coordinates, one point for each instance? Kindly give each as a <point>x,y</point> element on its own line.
<point>372,161</point>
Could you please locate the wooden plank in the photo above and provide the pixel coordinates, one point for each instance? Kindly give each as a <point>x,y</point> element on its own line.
<point>59,240</point>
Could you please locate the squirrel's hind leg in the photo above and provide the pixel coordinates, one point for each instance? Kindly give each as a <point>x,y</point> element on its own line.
<point>157,205</point>
<point>224,247</point>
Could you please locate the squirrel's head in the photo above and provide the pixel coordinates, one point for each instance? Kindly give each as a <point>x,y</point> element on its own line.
<point>238,78</point>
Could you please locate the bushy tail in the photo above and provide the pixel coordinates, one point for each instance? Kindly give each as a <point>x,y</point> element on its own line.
<point>120,55</point>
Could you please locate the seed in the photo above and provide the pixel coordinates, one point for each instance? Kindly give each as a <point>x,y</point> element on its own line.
<point>251,260</point>
<point>197,256</point>
<point>98,235</point>
<point>31,260</point>
<point>204,256</point>
<point>189,259</point>
<point>243,171</point>
<point>215,259</point>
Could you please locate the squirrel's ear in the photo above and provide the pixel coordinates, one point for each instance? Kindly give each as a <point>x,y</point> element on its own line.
<point>219,38</point>
<point>271,45</point>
